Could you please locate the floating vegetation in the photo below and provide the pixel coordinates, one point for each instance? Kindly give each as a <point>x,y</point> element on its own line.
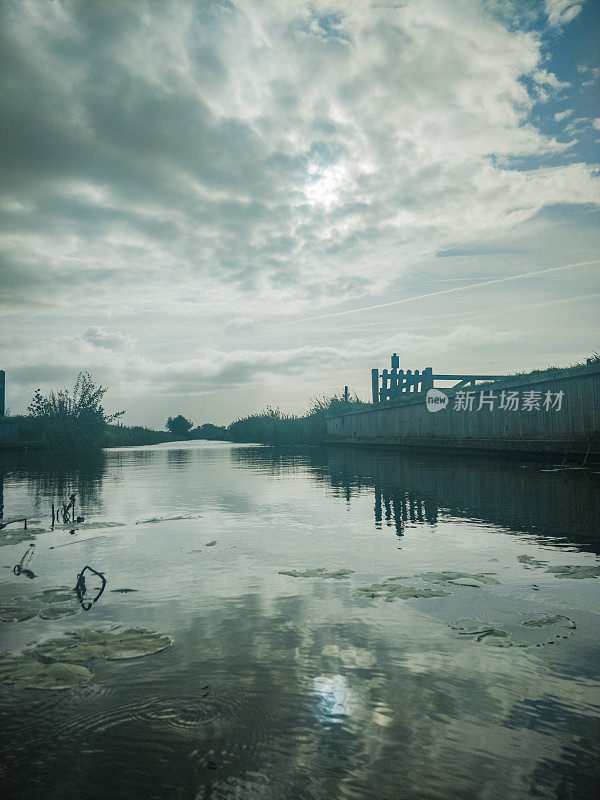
<point>18,535</point>
<point>390,591</point>
<point>50,604</point>
<point>27,671</point>
<point>19,609</point>
<point>481,630</point>
<point>545,619</point>
<point>211,544</point>
<point>529,562</point>
<point>460,578</point>
<point>541,630</point>
<point>56,664</point>
<point>58,610</point>
<point>115,644</point>
<point>123,591</point>
<point>574,572</point>
<point>318,572</point>
<point>57,603</point>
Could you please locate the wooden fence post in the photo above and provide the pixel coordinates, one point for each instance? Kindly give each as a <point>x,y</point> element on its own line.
<point>375,385</point>
<point>384,386</point>
<point>427,379</point>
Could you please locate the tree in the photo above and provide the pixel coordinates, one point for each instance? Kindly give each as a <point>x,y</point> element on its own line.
<point>72,418</point>
<point>179,426</point>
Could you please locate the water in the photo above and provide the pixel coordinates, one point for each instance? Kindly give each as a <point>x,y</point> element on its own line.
<point>304,687</point>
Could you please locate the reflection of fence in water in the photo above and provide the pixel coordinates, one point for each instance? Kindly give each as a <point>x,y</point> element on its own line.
<point>564,507</point>
<point>398,508</point>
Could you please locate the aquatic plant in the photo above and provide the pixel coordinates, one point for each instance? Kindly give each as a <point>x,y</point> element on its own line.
<point>538,631</point>
<point>460,578</point>
<point>114,644</point>
<point>575,572</point>
<point>50,604</point>
<point>26,671</point>
<point>319,572</point>
<point>390,591</point>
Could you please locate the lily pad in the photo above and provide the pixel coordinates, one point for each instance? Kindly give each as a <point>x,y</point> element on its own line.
<point>482,631</point>
<point>50,604</point>
<point>541,630</point>
<point>57,603</point>
<point>28,672</point>
<point>455,577</point>
<point>529,561</point>
<point>115,644</point>
<point>50,596</point>
<point>394,591</point>
<point>319,572</point>
<point>472,582</point>
<point>18,609</point>
<point>16,536</point>
<point>57,610</point>
<point>545,619</point>
<point>574,572</point>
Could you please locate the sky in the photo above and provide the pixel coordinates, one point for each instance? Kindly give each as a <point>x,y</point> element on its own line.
<point>218,206</point>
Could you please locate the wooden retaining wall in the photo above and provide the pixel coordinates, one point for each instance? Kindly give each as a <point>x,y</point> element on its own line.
<point>575,428</point>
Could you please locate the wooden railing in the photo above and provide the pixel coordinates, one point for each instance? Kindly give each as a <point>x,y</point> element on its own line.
<point>395,382</point>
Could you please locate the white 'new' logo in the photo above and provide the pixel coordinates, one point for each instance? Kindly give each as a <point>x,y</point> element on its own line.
<point>436,400</point>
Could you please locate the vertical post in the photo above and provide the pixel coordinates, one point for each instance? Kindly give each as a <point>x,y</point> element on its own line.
<point>427,379</point>
<point>346,398</point>
<point>384,386</point>
<point>375,385</point>
<point>395,361</point>
<point>417,380</point>
<point>393,382</point>
<point>2,392</point>
<point>400,381</point>
<point>408,380</point>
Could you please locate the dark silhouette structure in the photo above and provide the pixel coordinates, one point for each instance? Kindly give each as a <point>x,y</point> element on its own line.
<point>394,383</point>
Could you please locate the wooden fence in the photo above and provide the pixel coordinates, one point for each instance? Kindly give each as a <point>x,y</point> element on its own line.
<point>395,382</point>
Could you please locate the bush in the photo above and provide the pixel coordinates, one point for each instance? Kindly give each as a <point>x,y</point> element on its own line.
<point>273,427</point>
<point>65,419</point>
<point>133,436</point>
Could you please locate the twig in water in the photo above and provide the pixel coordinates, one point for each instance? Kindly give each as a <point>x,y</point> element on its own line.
<point>79,541</point>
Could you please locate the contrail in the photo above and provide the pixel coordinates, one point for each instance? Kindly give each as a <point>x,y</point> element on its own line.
<point>446,291</point>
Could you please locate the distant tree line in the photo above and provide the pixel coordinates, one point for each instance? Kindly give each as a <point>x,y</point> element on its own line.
<point>75,419</point>
<point>272,426</point>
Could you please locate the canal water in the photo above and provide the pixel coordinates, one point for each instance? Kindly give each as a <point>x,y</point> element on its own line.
<point>298,668</point>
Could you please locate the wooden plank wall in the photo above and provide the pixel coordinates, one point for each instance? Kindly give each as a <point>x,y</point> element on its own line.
<point>572,429</point>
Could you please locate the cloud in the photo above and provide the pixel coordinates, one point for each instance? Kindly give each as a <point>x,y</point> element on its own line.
<point>111,340</point>
<point>56,362</point>
<point>596,123</point>
<point>183,156</point>
<point>560,115</point>
<point>561,12</point>
<point>545,78</point>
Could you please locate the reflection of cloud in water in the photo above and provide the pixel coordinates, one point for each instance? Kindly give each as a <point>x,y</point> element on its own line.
<point>335,698</point>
